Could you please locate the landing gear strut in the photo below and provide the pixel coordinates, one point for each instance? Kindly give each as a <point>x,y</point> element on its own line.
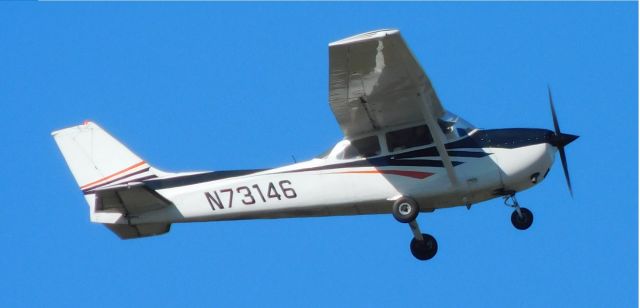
<point>521,218</point>
<point>423,246</point>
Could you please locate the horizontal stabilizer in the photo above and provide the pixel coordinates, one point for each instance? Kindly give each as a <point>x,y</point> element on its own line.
<point>130,201</point>
<point>126,232</point>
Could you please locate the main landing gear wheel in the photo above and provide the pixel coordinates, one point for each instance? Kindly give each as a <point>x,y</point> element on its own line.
<point>423,246</point>
<point>405,210</point>
<point>424,249</point>
<point>522,220</point>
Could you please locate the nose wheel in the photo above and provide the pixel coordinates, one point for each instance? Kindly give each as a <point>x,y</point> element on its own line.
<point>521,218</point>
<point>423,246</point>
<point>425,249</point>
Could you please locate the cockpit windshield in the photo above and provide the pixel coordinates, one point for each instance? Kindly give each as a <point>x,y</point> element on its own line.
<point>453,126</point>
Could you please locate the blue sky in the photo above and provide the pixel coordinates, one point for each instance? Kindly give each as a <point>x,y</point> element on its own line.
<point>214,86</point>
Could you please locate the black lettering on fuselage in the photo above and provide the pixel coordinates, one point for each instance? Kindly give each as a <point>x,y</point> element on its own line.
<point>213,200</point>
<point>283,190</point>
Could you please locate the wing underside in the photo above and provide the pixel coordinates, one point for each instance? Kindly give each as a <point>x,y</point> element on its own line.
<point>375,82</point>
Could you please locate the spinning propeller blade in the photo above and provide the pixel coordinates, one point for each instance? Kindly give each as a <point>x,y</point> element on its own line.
<point>560,140</point>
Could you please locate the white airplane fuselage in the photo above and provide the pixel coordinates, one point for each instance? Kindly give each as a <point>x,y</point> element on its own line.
<point>488,164</point>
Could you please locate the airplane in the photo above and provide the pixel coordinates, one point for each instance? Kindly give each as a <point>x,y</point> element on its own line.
<point>402,154</point>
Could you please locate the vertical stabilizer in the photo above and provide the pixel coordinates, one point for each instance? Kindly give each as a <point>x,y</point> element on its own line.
<point>96,159</point>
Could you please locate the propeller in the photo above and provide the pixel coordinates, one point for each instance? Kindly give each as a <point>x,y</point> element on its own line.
<point>560,140</point>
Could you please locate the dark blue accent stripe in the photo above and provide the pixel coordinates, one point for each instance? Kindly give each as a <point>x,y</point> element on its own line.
<point>507,138</point>
<point>197,178</point>
<point>386,161</point>
<point>467,154</point>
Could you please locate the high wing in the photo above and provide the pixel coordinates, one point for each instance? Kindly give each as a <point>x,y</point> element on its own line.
<point>375,82</point>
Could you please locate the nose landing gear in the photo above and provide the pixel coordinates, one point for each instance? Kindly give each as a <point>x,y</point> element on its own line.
<point>423,246</point>
<point>521,218</point>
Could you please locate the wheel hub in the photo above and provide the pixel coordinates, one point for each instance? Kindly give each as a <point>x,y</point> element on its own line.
<point>405,208</point>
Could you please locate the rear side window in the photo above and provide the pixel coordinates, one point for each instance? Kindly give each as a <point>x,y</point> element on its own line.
<point>365,147</point>
<point>408,138</point>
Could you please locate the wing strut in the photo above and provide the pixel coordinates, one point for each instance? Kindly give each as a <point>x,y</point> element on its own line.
<point>427,98</point>
<point>437,136</point>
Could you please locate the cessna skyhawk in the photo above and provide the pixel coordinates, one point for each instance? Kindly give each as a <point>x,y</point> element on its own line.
<point>402,153</point>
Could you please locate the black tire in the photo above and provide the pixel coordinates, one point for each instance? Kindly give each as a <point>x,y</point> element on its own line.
<point>425,249</point>
<point>524,222</point>
<point>405,210</point>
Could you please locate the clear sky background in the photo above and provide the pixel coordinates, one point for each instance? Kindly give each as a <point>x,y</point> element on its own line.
<point>215,86</point>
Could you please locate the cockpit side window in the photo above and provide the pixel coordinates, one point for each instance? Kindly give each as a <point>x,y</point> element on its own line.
<point>365,147</point>
<point>408,138</point>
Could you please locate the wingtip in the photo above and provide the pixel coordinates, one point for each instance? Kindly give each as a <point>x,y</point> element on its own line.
<point>361,37</point>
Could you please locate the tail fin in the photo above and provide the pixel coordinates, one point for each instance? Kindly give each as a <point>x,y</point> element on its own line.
<point>99,163</point>
<point>96,159</point>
